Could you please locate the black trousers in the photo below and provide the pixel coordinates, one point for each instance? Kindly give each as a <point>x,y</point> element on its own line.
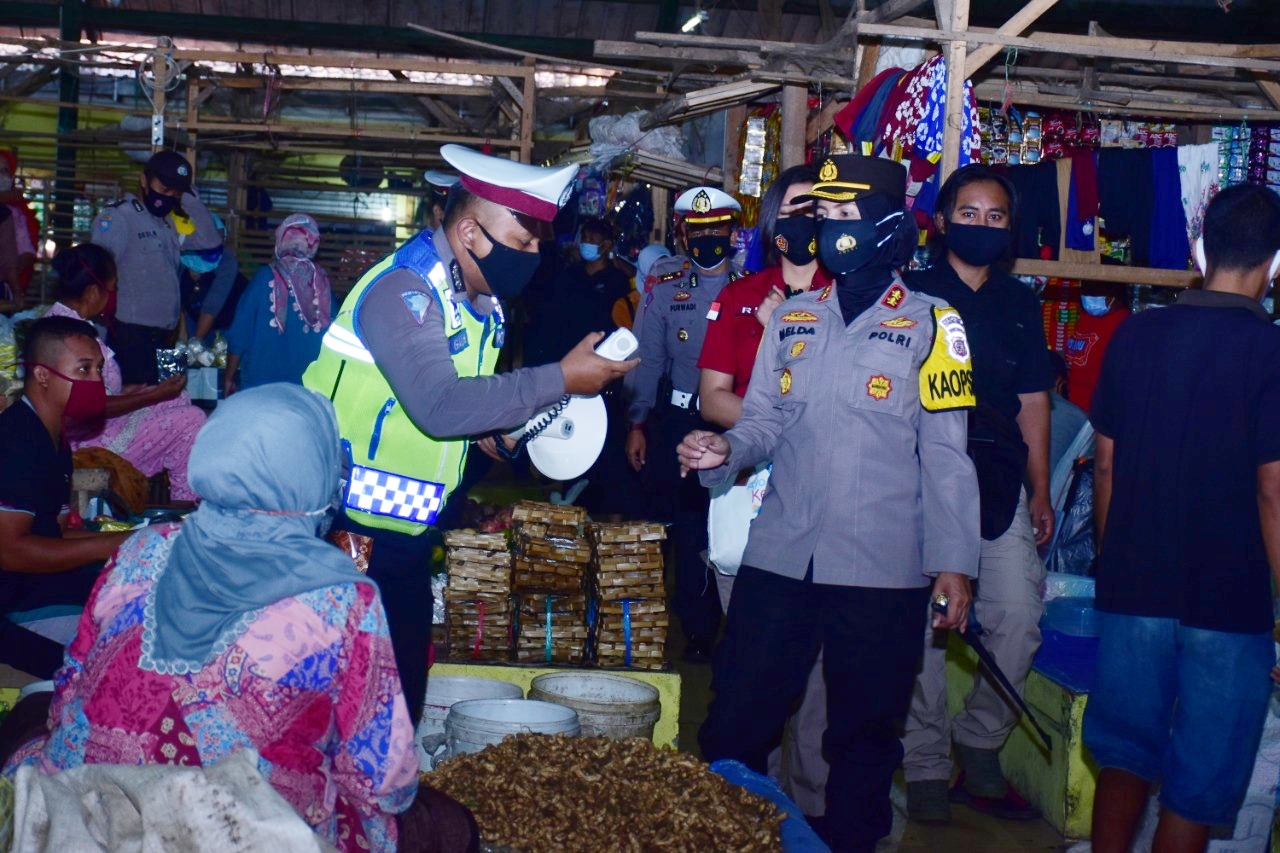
<point>872,641</point>
<point>683,503</point>
<point>135,347</point>
<point>401,566</point>
<point>26,650</point>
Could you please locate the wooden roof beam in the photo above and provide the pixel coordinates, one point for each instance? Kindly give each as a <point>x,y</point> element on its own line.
<point>1025,17</point>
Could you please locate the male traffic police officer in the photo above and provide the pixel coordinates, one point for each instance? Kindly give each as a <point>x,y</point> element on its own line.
<point>680,304</point>
<point>147,236</point>
<point>408,363</point>
<point>857,395</point>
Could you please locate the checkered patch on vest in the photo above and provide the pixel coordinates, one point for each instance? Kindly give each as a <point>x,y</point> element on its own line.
<point>394,495</point>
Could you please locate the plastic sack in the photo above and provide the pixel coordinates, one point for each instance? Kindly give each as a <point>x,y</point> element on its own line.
<point>733,508</point>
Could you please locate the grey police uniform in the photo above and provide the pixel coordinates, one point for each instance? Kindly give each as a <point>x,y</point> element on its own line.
<point>676,315</point>
<point>873,488</point>
<point>147,251</point>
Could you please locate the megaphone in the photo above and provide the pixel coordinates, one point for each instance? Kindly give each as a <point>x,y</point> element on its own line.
<point>564,440</point>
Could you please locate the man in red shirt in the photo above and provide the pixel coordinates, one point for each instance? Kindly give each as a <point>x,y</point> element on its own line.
<point>1103,309</point>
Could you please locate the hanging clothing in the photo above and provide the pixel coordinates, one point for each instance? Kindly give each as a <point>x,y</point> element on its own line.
<point>1038,222</point>
<point>1198,181</point>
<point>1126,192</point>
<point>1170,248</point>
<point>918,118</point>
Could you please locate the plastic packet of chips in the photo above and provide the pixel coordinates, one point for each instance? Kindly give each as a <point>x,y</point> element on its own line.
<point>170,363</point>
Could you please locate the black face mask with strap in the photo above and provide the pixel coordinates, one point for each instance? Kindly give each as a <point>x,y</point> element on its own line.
<point>507,271</point>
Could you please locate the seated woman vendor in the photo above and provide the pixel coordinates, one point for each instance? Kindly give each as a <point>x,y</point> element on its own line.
<point>151,426</point>
<point>241,628</point>
<point>41,564</point>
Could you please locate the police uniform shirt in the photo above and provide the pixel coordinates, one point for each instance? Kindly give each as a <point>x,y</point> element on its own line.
<point>683,300</point>
<point>147,250</point>
<point>400,322</point>
<point>1005,329</point>
<point>867,482</point>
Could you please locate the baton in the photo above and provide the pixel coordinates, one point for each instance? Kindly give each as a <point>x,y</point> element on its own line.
<point>970,636</point>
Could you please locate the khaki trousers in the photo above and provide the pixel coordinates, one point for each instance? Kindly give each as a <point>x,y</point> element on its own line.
<point>1008,605</point>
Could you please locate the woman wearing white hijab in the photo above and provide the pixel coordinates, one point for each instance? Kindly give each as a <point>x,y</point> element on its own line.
<point>283,313</point>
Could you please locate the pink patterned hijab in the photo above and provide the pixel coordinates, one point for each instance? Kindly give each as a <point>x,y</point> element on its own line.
<point>297,279</point>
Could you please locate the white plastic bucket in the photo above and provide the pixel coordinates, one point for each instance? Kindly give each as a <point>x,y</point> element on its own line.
<point>443,692</point>
<point>612,706</point>
<point>476,723</point>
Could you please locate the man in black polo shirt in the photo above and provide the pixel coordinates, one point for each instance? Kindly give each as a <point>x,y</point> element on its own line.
<point>1009,442</point>
<point>40,563</point>
<point>1187,505</point>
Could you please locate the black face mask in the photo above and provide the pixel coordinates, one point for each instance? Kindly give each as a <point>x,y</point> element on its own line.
<point>977,245</point>
<point>795,238</point>
<point>507,271</point>
<point>710,250</point>
<point>847,245</point>
<point>159,205</point>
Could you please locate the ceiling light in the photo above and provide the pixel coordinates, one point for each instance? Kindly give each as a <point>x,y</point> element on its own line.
<point>695,21</point>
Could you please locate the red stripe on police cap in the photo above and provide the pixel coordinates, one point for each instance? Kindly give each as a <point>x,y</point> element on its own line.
<point>516,200</point>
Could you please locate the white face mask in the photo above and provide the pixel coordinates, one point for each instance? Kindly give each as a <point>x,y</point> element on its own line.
<point>1096,306</point>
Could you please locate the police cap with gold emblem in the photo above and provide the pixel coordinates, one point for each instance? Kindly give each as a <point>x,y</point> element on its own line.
<point>849,177</point>
<point>533,193</point>
<point>706,205</point>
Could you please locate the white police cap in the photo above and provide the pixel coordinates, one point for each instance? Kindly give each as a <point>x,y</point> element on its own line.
<point>534,191</point>
<point>706,204</point>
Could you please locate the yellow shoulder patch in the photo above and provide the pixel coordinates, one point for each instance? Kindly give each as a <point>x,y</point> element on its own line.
<point>946,377</point>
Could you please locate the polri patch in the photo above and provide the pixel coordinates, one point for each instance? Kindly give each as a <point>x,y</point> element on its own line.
<point>458,342</point>
<point>879,387</point>
<point>799,317</point>
<point>417,302</point>
<point>894,297</point>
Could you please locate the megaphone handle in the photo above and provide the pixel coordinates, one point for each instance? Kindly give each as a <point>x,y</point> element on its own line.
<point>545,421</point>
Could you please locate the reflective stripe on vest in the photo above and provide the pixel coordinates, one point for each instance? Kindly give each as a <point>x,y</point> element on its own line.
<point>346,344</point>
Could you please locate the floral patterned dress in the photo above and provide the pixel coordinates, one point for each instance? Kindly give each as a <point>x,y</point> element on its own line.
<point>311,685</point>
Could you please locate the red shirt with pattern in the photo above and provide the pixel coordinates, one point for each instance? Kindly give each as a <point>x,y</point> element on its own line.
<point>734,335</point>
<point>1084,349</point>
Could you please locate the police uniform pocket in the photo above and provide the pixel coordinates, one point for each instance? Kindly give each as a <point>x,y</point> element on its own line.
<point>879,381</point>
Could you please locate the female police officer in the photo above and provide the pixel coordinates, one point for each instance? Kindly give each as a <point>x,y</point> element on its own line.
<point>857,395</point>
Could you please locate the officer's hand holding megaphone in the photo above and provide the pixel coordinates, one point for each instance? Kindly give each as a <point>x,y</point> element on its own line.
<point>587,373</point>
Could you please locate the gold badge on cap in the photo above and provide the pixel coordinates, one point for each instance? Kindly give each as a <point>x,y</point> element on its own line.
<point>683,335</point>
<point>846,243</point>
<point>701,202</point>
<point>828,172</point>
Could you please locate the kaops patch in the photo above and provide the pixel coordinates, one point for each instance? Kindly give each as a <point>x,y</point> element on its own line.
<point>784,385</point>
<point>879,387</point>
<point>799,317</point>
<point>894,297</point>
<point>417,302</point>
<point>899,323</point>
<point>946,377</point>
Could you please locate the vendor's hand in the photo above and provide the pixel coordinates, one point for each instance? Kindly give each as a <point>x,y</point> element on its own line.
<point>1041,518</point>
<point>702,449</point>
<point>637,447</point>
<point>956,587</point>
<point>489,447</point>
<point>585,372</point>
<point>171,387</point>
<point>772,300</point>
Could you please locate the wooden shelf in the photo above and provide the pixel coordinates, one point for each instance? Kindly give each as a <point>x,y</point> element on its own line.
<point>1106,272</point>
